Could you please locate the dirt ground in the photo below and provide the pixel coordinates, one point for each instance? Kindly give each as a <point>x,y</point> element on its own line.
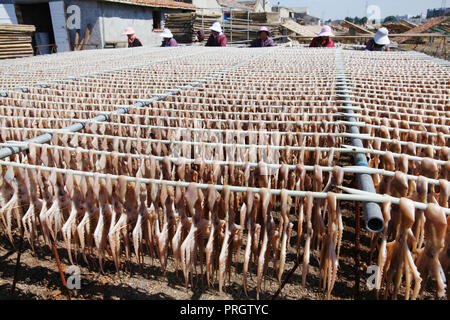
<point>438,48</point>
<point>38,276</point>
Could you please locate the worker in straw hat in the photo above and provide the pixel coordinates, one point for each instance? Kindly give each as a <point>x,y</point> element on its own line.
<point>217,37</point>
<point>133,41</point>
<point>380,41</point>
<point>323,39</point>
<point>263,39</point>
<point>168,40</point>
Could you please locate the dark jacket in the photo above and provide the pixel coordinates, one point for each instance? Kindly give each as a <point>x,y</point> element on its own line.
<point>136,43</point>
<point>171,43</point>
<point>220,41</point>
<point>373,46</point>
<point>318,42</point>
<point>200,35</point>
<point>262,43</point>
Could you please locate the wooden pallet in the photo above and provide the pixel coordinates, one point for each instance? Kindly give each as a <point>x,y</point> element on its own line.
<point>184,26</point>
<point>15,41</point>
<point>423,28</point>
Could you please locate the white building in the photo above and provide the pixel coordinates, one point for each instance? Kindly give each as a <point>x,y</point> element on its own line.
<point>107,20</point>
<point>285,12</point>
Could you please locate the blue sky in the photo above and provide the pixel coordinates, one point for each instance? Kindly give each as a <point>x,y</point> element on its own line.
<point>339,9</point>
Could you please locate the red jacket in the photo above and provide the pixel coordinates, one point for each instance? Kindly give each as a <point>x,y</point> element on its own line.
<point>318,42</point>
<point>220,41</point>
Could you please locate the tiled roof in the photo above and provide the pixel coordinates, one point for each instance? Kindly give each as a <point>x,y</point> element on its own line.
<point>157,3</point>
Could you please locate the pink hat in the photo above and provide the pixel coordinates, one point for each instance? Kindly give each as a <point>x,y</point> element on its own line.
<point>326,32</point>
<point>128,31</point>
<point>264,29</point>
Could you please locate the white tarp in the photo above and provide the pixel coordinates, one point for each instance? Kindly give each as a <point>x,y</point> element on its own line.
<point>59,25</point>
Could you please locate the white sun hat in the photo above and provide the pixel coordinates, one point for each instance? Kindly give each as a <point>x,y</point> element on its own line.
<point>326,32</point>
<point>216,27</point>
<point>264,29</point>
<point>166,33</point>
<point>128,31</point>
<point>381,37</point>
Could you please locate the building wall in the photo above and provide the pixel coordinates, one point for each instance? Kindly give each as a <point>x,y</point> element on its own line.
<point>284,12</point>
<point>206,4</point>
<point>312,21</point>
<point>7,12</point>
<point>259,7</point>
<point>307,20</point>
<point>300,10</point>
<point>263,6</point>
<point>115,18</point>
<point>89,14</point>
<point>109,20</point>
<point>431,13</point>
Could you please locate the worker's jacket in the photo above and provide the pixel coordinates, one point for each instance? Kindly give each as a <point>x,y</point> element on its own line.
<point>200,35</point>
<point>220,41</point>
<point>135,43</point>
<point>170,43</point>
<point>262,43</point>
<point>319,42</point>
<point>373,46</point>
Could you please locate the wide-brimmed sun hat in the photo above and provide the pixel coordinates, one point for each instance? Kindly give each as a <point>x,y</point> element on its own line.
<point>326,32</point>
<point>216,27</point>
<point>166,34</point>
<point>264,29</point>
<point>381,37</point>
<point>128,31</point>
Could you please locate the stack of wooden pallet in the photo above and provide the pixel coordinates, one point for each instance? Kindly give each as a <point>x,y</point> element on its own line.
<point>237,31</point>
<point>355,29</point>
<point>244,25</point>
<point>397,27</point>
<point>184,26</point>
<point>15,40</point>
<point>259,17</point>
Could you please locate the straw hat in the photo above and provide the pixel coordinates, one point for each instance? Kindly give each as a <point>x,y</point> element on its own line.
<point>381,37</point>
<point>166,34</point>
<point>326,32</point>
<point>264,29</point>
<point>128,31</point>
<point>216,27</point>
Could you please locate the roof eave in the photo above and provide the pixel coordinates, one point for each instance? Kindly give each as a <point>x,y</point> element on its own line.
<point>193,8</point>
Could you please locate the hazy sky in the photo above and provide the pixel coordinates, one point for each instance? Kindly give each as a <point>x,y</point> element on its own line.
<point>339,9</point>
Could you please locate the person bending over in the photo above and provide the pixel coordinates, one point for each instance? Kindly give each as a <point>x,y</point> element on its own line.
<point>323,39</point>
<point>217,37</point>
<point>263,39</point>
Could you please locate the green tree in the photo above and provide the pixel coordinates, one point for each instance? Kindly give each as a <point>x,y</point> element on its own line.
<point>349,19</point>
<point>390,19</point>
